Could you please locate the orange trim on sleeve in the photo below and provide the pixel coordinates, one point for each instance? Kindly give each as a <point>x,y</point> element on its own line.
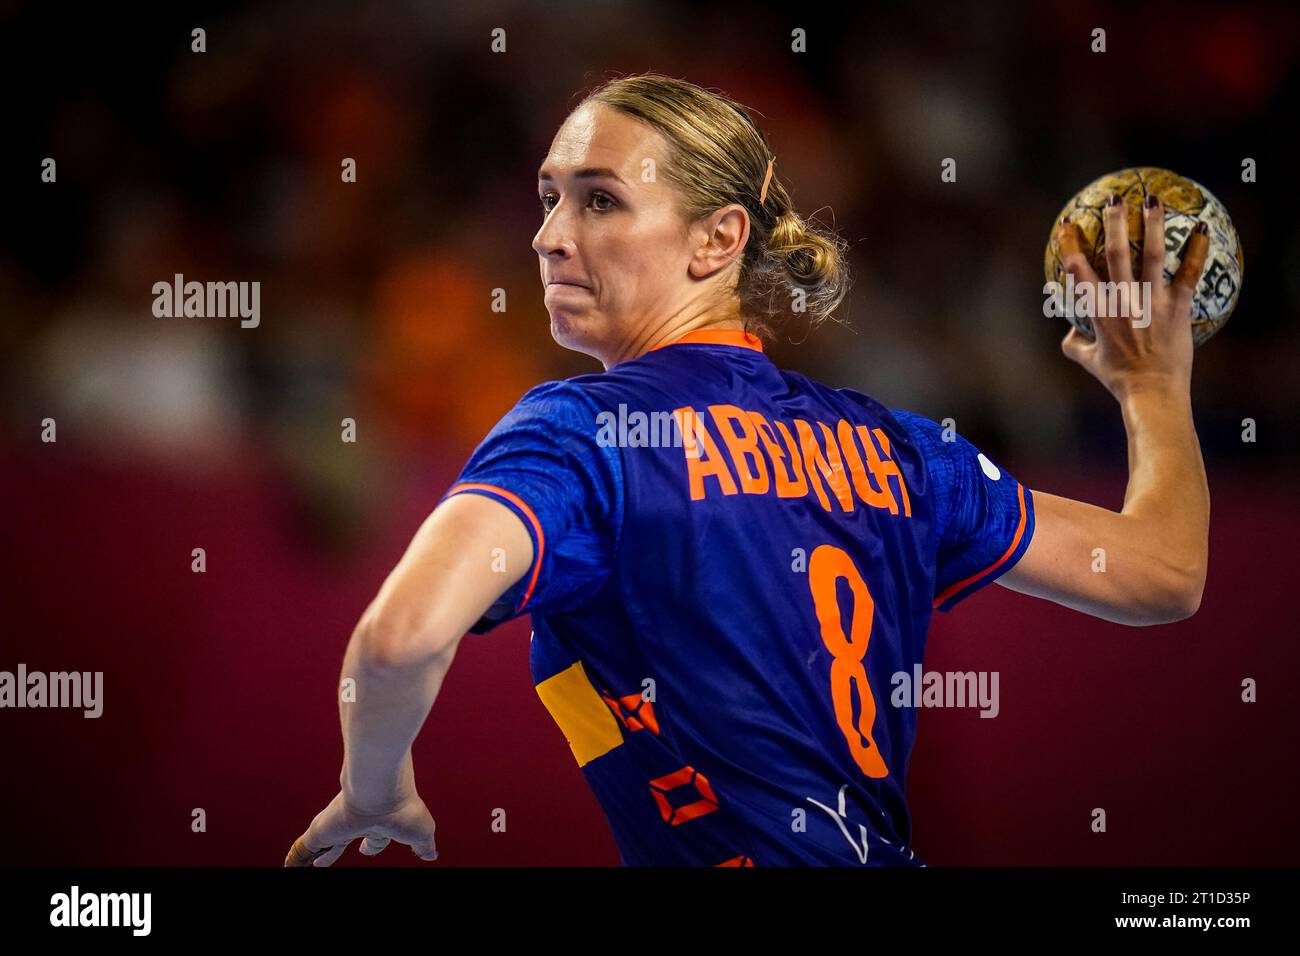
<point>1015,541</point>
<point>523,506</point>
<point>738,337</point>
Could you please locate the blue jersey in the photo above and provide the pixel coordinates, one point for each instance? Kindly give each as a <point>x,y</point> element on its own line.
<point>731,564</point>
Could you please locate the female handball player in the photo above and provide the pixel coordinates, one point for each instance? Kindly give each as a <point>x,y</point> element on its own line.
<point>725,562</point>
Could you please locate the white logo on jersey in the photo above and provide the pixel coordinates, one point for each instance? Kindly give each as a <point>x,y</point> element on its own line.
<point>990,469</point>
<point>839,818</point>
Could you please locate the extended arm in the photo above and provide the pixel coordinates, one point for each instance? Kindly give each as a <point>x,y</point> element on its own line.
<point>398,655</point>
<point>539,480</point>
<point>404,643</point>
<point>1155,550</point>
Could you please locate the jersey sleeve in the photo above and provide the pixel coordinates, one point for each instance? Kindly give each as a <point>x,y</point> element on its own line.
<point>984,517</point>
<point>543,462</point>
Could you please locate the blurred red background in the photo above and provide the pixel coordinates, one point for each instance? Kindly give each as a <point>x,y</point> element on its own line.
<point>184,433</point>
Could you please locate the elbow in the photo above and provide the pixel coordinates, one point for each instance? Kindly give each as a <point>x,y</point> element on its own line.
<point>389,641</point>
<point>1178,607</point>
<point>1177,601</point>
<point>1190,598</point>
<point>1190,589</point>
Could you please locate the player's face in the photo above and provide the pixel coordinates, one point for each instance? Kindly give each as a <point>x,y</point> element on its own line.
<point>613,248</point>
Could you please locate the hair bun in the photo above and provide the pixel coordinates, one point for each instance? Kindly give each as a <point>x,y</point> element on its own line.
<point>805,265</point>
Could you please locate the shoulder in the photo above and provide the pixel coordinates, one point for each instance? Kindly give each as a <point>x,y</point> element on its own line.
<point>925,432</point>
<point>546,450</point>
<point>936,445</point>
<point>551,409</point>
<point>562,395</point>
<point>554,425</point>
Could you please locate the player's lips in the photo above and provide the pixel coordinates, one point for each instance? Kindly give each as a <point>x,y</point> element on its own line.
<point>558,290</point>
<point>562,282</point>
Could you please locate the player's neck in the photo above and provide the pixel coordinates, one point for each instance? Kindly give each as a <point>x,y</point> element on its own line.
<point>651,338</point>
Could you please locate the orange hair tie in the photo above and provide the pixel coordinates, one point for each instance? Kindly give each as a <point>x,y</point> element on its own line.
<point>767,179</point>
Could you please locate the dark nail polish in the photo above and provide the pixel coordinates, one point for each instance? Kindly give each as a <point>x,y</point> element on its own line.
<point>1152,201</point>
<point>1201,229</point>
<point>1116,199</point>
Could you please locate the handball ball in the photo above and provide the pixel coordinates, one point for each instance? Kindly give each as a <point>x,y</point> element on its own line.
<point>1185,203</point>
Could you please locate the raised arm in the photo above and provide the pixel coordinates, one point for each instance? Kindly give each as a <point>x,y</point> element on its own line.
<point>1155,550</point>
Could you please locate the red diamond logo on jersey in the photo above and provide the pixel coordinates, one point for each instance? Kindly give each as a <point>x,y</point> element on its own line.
<point>686,776</point>
<point>634,712</point>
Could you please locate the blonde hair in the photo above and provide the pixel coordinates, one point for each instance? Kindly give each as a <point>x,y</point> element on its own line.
<point>717,155</point>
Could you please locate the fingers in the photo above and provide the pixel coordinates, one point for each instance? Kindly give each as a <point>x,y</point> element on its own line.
<point>1073,261</point>
<point>1195,253</point>
<point>1119,263</point>
<point>425,849</point>
<point>336,827</point>
<point>300,855</point>
<point>1070,243</point>
<point>1153,243</point>
<point>417,833</point>
<point>332,854</point>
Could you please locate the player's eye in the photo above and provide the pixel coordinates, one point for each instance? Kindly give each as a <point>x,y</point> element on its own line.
<point>596,197</point>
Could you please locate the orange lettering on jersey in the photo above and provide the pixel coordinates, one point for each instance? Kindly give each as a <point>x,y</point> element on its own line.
<point>828,465</point>
<point>884,466</point>
<point>702,456</point>
<point>796,463</point>
<point>791,483</point>
<point>796,459</point>
<point>826,568</point>
<point>876,495</point>
<point>742,446</point>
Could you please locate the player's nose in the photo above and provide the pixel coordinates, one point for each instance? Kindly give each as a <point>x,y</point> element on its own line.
<point>555,237</point>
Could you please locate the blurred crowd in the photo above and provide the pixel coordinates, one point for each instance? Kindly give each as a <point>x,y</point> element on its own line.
<point>376,295</point>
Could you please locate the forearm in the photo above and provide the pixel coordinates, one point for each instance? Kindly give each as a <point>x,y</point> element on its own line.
<point>1146,563</point>
<point>1168,499</point>
<point>381,719</point>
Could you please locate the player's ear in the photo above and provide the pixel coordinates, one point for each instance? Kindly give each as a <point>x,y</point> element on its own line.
<point>718,239</point>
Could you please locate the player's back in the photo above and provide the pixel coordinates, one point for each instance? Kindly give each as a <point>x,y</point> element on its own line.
<point>752,558</point>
